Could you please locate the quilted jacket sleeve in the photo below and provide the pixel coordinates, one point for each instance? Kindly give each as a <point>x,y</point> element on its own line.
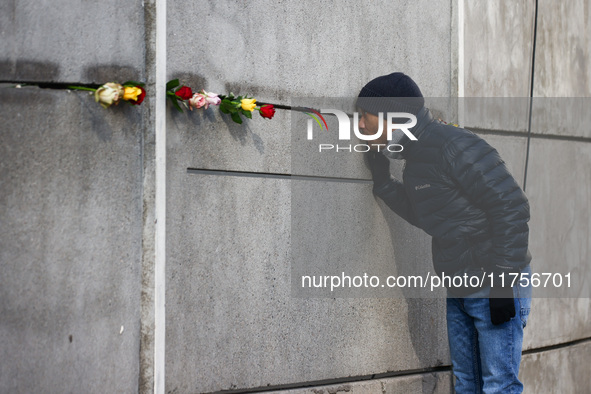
<point>482,175</point>
<point>395,197</point>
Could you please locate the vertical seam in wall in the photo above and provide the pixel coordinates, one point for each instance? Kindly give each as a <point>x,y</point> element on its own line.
<point>160,201</point>
<point>531,92</point>
<point>460,62</point>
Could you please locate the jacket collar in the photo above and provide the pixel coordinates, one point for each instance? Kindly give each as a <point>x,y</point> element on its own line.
<point>424,118</point>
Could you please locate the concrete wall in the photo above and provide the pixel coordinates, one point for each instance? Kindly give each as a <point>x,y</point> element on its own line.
<point>71,200</point>
<point>558,183</point>
<point>77,207</point>
<point>70,243</point>
<point>252,332</point>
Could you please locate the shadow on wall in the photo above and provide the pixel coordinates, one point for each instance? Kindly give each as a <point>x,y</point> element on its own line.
<point>423,314</point>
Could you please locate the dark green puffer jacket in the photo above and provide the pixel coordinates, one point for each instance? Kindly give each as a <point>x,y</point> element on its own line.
<point>457,188</point>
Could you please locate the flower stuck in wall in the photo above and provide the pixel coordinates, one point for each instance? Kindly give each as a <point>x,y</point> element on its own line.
<point>248,104</point>
<point>235,106</point>
<point>112,93</point>
<point>267,111</point>
<point>203,99</point>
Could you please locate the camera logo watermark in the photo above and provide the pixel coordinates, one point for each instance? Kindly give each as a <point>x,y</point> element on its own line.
<point>344,132</point>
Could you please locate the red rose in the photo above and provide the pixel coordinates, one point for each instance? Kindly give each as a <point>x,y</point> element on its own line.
<point>140,98</point>
<point>267,111</point>
<point>184,92</point>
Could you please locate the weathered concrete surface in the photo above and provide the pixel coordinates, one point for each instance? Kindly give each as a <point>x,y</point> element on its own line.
<point>562,116</point>
<point>498,41</point>
<point>562,73</point>
<point>276,51</point>
<point>70,243</point>
<point>436,383</point>
<point>498,38</point>
<point>230,313</point>
<point>554,321</point>
<point>563,49</point>
<point>66,41</point>
<point>559,192</point>
<point>563,370</point>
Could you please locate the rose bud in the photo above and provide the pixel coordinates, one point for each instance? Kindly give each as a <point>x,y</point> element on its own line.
<point>267,111</point>
<point>212,98</point>
<point>197,101</point>
<point>131,93</point>
<point>184,92</point>
<point>139,98</point>
<point>108,94</point>
<point>248,104</point>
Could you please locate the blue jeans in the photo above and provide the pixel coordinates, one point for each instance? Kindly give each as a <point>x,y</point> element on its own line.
<point>485,357</point>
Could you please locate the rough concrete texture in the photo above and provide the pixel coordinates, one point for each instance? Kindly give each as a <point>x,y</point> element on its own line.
<point>230,313</point>
<point>336,229</point>
<point>563,49</point>
<point>498,39</point>
<point>554,321</point>
<point>70,214</point>
<point>273,50</point>
<point>66,41</point>
<point>436,383</point>
<point>560,200</point>
<point>559,191</point>
<point>495,113</point>
<point>562,75</point>
<point>562,370</point>
<point>562,116</point>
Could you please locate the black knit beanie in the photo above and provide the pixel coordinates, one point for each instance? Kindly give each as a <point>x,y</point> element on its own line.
<point>395,92</point>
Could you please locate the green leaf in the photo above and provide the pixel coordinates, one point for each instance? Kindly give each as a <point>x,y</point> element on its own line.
<point>172,84</point>
<point>248,114</point>
<point>133,84</point>
<point>236,118</point>
<point>175,103</point>
<point>226,106</point>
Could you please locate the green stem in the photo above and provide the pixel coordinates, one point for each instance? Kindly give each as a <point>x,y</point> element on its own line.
<point>81,88</point>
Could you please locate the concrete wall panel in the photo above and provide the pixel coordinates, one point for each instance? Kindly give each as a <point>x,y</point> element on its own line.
<point>562,75</point>
<point>276,51</point>
<point>562,49</point>
<point>231,319</point>
<point>564,370</point>
<point>436,383</point>
<point>498,37</point>
<point>66,41</point>
<point>70,243</point>
<point>559,191</point>
<point>562,116</point>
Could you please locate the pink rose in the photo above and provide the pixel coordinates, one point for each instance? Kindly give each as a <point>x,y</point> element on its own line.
<point>197,101</point>
<point>212,98</point>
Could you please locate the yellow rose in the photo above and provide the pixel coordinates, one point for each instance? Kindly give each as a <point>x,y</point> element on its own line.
<point>131,93</point>
<point>248,104</point>
<point>108,94</point>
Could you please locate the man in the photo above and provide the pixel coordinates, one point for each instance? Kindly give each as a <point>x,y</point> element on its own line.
<point>456,188</point>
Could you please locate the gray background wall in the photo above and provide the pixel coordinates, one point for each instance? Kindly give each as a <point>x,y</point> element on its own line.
<point>77,193</point>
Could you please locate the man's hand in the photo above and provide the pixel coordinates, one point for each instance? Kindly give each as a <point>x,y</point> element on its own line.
<point>379,166</point>
<point>502,305</point>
